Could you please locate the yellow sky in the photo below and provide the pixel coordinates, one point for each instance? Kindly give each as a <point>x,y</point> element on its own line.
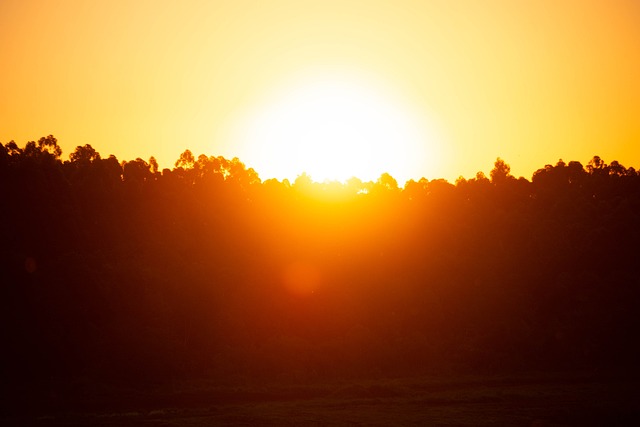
<point>529,81</point>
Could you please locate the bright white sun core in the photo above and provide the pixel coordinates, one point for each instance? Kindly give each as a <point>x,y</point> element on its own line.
<point>336,128</point>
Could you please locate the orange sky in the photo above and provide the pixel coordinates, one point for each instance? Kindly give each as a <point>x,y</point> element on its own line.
<point>529,81</point>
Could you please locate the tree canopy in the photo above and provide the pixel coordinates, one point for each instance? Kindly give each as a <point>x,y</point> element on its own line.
<point>115,269</point>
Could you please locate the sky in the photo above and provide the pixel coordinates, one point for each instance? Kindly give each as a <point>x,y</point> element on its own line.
<point>451,84</point>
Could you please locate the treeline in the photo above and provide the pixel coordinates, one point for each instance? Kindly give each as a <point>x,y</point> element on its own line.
<point>117,270</point>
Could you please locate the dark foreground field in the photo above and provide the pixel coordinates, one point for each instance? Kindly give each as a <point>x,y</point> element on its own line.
<point>531,400</point>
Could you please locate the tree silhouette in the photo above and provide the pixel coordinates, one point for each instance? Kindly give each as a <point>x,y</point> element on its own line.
<point>84,155</point>
<point>500,172</point>
<point>50,145</point>
<point>186,160</point>
<point>387,182</point>
<point>112,271</point>
<point>153,164</point>
<point>136,171</point>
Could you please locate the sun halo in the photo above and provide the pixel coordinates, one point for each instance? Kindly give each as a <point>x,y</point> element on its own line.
<point>334,128</point>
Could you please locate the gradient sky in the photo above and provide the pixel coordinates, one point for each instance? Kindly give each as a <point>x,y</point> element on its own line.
<point>528,81</point>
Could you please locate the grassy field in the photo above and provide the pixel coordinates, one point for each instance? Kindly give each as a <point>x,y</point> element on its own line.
<point>529,400</point>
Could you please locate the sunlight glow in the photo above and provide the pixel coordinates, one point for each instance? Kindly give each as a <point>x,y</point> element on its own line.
<point>302,278</point>
<point>336,127</point>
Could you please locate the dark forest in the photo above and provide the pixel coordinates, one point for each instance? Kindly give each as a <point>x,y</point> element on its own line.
<point>118,272</point>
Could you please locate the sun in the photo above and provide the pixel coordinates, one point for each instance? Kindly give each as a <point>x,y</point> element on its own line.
<point>334,127</point>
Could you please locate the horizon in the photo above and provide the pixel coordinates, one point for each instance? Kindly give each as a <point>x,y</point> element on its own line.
<point>304,174</point>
